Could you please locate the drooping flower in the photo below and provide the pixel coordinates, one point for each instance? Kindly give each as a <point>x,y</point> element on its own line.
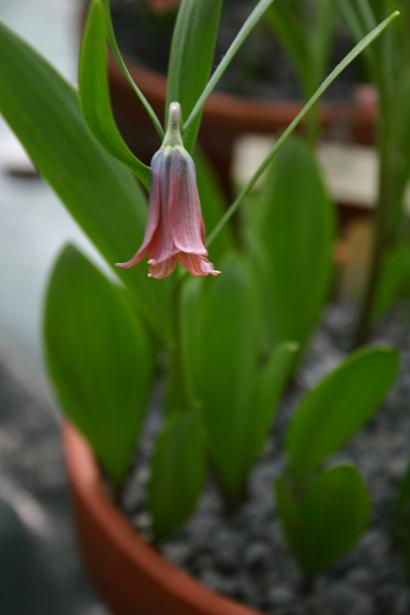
<point>175,228</point>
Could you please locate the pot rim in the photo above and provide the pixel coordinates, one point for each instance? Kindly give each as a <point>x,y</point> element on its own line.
<point>85,479</point>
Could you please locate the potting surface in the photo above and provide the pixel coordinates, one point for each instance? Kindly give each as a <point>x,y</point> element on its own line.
<point>245,556</point>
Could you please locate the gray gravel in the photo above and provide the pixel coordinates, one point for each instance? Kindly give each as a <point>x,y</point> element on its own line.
<point>246,556</point>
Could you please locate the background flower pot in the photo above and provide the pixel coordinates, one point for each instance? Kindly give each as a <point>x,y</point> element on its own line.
<point>226,118</point>
<point>131,577</point>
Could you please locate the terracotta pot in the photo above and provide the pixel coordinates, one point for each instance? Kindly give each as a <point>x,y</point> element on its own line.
<point>131,577</point>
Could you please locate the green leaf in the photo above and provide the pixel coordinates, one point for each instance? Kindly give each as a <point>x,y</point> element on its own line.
<point>297,229</point>
<point>178,470</point>
<point>328,519</point>
<point>213,205</point>
<point>95,94</point>
<point>270,382</point>
<point>99,359</point>
<point>230,340</point>
<point>332,412</point>
<point>101,195</point>
<point>192,51</point>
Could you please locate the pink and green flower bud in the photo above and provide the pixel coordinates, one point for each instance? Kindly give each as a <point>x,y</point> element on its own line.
<point>175,228</point>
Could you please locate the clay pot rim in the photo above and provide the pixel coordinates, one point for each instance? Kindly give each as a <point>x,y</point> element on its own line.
<point>85,479</point>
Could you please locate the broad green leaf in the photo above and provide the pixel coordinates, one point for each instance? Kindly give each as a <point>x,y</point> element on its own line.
<point>178,470</point>
<point>95,95</point>
<point>213,206</point>
<point>333,411</point>
<point>101,195</point>
<point>99,359</point>
<point>327,519</point>
<point>230,340</point>
<point>270,382</point>
<point>335,511</point>
<point>192,52</point>
<point>296,229</point>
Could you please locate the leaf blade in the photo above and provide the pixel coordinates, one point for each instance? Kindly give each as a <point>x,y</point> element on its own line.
<point>95,347</point>
<point>94,93</point>
<point>338,406</point>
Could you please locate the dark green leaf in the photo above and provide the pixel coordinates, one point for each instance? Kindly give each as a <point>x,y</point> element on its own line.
<point>192,52</point>
<point>98,357</point>
<point>95,95</point>
<point>101,195</point>
<point>230,339</point>
<point>332,412</point>
<point>270,381</point>
<point>327,519</point>
<point>335,511</point>
<point>178,470</point>
<point>297,229</point>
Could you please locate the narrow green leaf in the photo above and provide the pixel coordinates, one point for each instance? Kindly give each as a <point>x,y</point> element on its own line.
<point>297,230</point>
<point>98,191</point>
<point>332,412</point>
<point>230,339</point>
<point>236,44</point>
<point>335,511</point>
<point>95,95</point>
<point>348,59</point>
<point>99,359</point>
<point>178,470</point>
<point>192,51</point>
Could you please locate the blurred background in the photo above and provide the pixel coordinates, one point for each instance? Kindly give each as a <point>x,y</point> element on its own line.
<point>40,572</point>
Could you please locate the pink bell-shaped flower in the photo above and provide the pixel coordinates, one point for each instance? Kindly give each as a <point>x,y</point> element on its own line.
<point>175,228</point>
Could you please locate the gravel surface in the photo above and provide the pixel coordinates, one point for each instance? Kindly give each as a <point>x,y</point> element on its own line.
<point>246,556</point>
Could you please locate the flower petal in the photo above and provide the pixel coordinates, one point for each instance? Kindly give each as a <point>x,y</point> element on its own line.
<point>154,210</point>
<point>185,216</point>
<point>197,264</point>
<point>161,269</point>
